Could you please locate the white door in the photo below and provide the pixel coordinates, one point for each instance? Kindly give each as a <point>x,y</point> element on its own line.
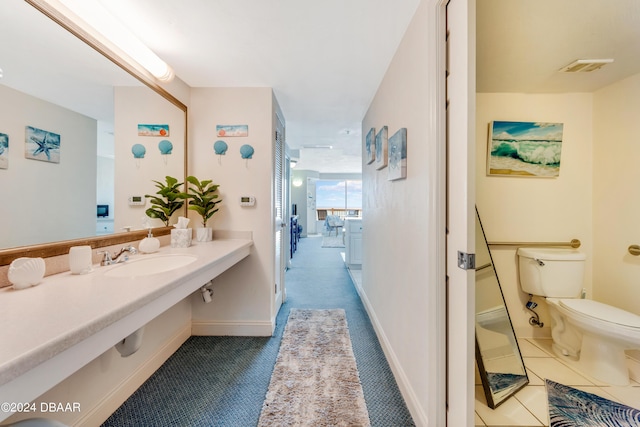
<point>280,215</point>
<point>460,210</point>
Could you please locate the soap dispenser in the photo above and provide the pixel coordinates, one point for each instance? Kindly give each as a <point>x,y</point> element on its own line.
<point>149,244</point>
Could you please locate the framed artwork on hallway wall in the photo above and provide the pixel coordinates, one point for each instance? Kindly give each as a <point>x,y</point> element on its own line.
<point>369,146</point>
<point>398,155</point>
<point>4,151</point>
<point>382,139</point>
<point>524,149</point>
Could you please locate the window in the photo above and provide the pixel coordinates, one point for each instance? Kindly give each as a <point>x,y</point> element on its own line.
<point>338,197</point>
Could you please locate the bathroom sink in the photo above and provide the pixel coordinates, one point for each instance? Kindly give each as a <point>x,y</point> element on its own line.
<point>147,266</point>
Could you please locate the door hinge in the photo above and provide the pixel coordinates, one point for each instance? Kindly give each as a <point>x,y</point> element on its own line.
<point>466,261</point>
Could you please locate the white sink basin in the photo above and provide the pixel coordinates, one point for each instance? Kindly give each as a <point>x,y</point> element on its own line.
<point>151,265</point>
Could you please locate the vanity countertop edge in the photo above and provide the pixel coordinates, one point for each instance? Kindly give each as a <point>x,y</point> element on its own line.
<point>41,322</point>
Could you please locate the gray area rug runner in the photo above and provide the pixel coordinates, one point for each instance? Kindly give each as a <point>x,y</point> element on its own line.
<point>333,241</point>
<point>315,379</point>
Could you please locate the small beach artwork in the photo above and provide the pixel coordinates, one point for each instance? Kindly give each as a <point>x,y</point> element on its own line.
<point>42,145</point>
<point>232,130</point>
<point>153,130</point>
<point>369,146</point>
<point>4,151</point>
<point>524,149</point>
<point>398,155</point>
<point>382,152</point>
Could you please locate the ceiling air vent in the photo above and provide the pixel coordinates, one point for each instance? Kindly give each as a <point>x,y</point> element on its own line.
<point>585,65</point>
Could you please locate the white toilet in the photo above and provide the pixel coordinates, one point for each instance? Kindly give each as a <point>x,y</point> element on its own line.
<point>592,334</point>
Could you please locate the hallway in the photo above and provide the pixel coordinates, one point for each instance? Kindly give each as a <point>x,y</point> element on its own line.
<point>222,381</point>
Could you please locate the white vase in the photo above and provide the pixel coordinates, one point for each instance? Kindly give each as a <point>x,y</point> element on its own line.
<point>204,234</point>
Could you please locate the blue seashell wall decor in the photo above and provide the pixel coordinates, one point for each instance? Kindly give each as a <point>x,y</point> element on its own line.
<point>220,148</point>
<point>246,151</point>
<point>138,151</point>
<point>165,146</point>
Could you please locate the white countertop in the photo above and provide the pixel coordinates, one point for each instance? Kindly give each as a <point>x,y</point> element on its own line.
<point>42,322</point>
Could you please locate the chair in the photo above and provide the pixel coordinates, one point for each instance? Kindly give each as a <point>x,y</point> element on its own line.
<point>333,222</point>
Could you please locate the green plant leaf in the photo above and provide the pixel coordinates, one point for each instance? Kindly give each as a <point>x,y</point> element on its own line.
<point>168,200</point>
<point>201,197</point>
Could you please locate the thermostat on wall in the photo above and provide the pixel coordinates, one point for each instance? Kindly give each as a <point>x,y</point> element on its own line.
<point>247,201</point>
<point>136,201</point>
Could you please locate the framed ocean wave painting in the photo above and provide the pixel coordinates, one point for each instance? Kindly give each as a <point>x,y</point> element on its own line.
<point>524,149</point>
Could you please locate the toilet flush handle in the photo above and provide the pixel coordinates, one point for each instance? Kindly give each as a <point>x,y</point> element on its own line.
<point>539,261</point>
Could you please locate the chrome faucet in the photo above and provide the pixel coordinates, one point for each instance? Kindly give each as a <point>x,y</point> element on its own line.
<point>122,256</point>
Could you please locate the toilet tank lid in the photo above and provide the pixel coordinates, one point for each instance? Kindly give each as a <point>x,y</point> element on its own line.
<point>552,254</point>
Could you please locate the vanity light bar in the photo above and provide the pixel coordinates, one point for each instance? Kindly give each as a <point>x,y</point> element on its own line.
<point>108,26</point>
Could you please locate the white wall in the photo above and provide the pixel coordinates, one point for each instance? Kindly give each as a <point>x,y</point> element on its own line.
<point>32,209</point>
<point>134,177</point>
<point>105,192</point>
<point>300,196</point>
<point>517,209</point>
<point>398,269</point>
<point>615,194</point>
<point>242,295</point>
<point>105,176</point>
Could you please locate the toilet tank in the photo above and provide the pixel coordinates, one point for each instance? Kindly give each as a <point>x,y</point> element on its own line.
<point>551,272</point>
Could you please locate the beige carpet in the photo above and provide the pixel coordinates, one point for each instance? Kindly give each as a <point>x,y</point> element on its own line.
<point>315,380</point>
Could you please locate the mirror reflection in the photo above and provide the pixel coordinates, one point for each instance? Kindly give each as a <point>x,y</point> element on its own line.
<point>68,122</point>
<point>497,353</point>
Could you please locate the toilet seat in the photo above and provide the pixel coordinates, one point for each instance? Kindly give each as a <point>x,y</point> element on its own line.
<point>600,311</point>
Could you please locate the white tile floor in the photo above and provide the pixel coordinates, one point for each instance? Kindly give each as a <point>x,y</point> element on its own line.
<point>529,406</point>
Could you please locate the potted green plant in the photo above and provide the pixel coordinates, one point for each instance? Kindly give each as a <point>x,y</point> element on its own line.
<point>169,199</point>
<point>203,200</point>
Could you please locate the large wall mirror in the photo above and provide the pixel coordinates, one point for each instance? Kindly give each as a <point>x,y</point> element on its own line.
<point>69,119</point>
<point>497,352</point>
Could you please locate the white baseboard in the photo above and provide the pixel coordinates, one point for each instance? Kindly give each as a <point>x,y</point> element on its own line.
<point>410,398</point>
<point>116,397</point>
<point>239,329</point>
